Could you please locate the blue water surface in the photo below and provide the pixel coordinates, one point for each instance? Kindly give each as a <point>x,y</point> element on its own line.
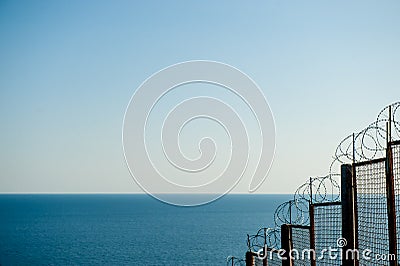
<point>127,229</point>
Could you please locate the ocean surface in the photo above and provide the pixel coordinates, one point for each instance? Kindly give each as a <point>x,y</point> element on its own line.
<point>128,229</point>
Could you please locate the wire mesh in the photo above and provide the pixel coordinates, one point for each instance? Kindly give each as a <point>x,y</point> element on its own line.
<point>258,261</point>
<point>327,232</point>
<point>371,212</point>
<point>366,149</point>
<point>300,236</point>
<point>396,174</point>
<point>273,258</point>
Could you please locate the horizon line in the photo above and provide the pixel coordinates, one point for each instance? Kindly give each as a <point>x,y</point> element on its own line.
<point>134,193</point>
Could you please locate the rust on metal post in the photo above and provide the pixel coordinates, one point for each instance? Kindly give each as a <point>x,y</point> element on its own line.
<point>355,206</point>
<point>249,258</point>
<point>286,244</point>
<point>389,129</point>
<point>312,234</point>
<point>347,201</point>
<point>391,208</point>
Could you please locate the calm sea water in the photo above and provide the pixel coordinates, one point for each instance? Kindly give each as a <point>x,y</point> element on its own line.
<point>127,229</point>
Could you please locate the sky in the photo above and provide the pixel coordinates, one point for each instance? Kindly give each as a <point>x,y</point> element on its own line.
<point>69,68</point>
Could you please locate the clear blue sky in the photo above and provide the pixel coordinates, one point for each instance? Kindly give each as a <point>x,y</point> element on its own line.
<point>69,68</point>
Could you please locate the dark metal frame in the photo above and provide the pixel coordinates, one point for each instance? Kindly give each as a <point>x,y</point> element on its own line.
<point>391,208</point>
<point>348,211</point>
<point>391,201</point>
<point>287,241</point>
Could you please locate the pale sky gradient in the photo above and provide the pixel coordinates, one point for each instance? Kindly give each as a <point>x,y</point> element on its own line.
<point>69,68</point>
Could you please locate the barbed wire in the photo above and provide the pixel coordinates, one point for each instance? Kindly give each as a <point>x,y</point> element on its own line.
<point>292,212</point>
<point>269,237</point>
<point>317,190</point>
<point>367,144</point>
<point>395,118</point>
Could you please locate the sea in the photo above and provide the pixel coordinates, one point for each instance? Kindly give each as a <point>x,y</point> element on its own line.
<point>128,229</point>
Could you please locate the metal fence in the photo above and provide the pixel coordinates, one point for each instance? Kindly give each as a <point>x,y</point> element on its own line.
<point>273,258</point>
<point>301,236</point>
<point>371,202</point>
<point>372,229</point>
<point>326,224</point>
<point>263,247</point>
<point>396,173</point>
<point>296,242</point>
<point>366,219</point>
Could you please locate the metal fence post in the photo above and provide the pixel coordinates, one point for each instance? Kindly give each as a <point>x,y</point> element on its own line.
<point>312,234</point>
<point>391,208</point>
<point>286,243</point>
<point>249,258</point>
<point>348,225</point>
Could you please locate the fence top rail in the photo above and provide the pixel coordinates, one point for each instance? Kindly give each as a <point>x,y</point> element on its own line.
<point>327,203</point>
<point>299,226</point>
<point>396,142</point>
<point>379,160</point>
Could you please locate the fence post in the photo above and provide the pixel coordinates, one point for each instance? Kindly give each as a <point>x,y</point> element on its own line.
<point>286,243</point>
<point>391,208</point>
<point>249,258</point>
<point>348,224</point>
<point>312,235</point>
